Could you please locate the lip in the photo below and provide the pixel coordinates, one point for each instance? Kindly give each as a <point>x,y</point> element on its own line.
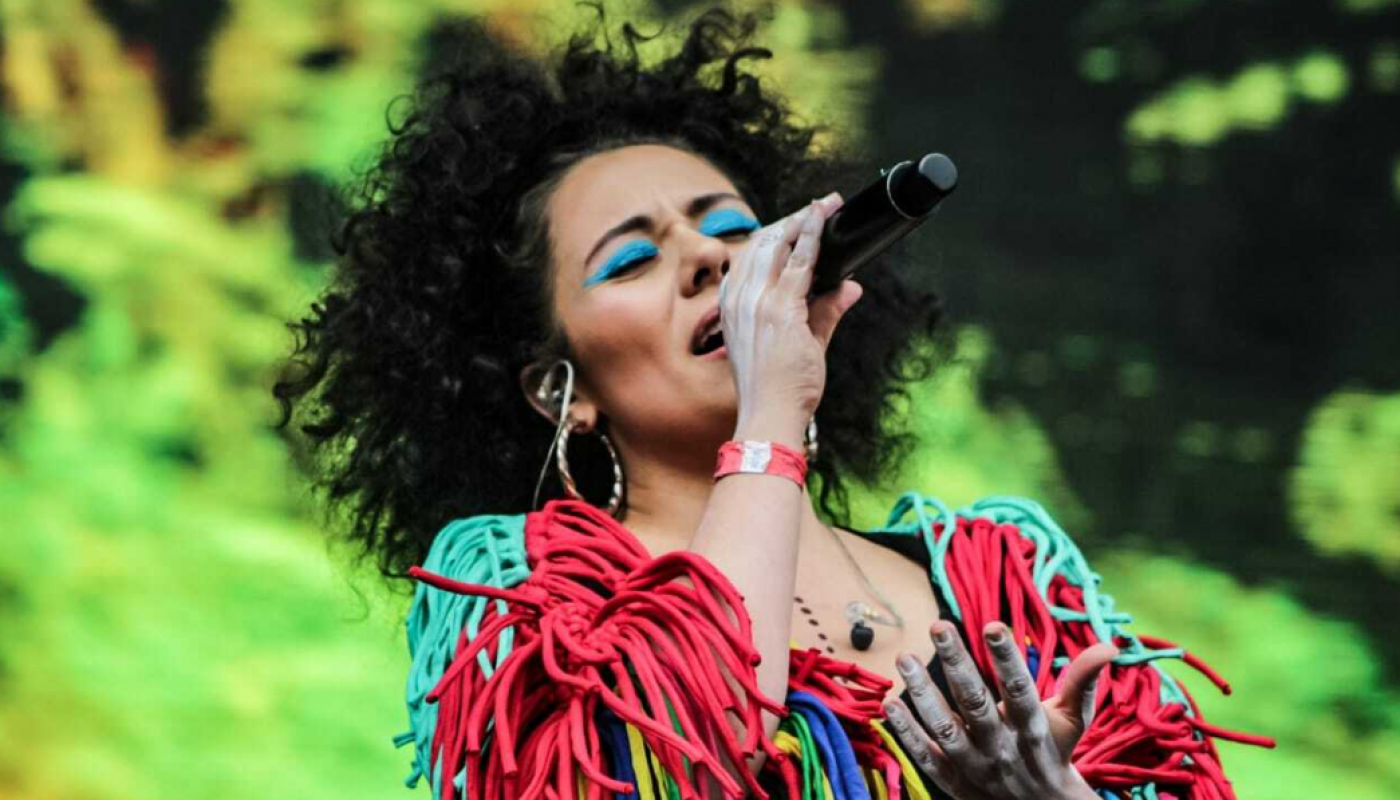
<point>718,353</point>
<point>705,320</point>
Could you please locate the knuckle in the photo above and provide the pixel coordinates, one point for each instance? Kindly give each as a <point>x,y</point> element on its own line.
<point>1017,687</point>
<point>926,761</point>
<point>977,701</point>
<point>944,730</point>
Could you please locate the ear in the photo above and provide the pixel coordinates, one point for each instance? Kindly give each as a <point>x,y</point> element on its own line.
<point>536,394</point>
<point>543,386</point>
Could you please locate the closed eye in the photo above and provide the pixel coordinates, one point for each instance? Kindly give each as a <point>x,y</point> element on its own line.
<point>724,222</point>
<point>627,256</point>
<point>727,222</point>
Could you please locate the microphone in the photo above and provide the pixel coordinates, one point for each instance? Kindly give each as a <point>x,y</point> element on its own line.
<point>877,216</point>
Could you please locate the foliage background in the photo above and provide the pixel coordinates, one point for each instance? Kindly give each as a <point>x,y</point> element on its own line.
<point>1173,257</point>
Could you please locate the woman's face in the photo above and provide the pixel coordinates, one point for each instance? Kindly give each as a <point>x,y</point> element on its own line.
<point>641,237</point>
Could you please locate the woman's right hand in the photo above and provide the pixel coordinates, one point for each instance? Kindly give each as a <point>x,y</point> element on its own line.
<point>775,337</point>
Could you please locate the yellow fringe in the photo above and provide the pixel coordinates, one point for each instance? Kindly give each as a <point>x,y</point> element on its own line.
<point>912,782</point>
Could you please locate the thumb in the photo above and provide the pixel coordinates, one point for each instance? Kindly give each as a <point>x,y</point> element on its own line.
<point>1078,697</point>
<point>827,309</point>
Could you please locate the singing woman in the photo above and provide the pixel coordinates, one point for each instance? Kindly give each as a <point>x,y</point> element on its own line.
<point>568,378</point>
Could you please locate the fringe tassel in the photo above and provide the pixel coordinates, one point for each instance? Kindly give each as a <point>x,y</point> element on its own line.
<point>484,549</point>
<point>663,644</point>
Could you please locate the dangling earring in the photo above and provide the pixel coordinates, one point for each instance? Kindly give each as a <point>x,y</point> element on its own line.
<point>809,442</point>
<point>561,464</point>
<point>549,395</point>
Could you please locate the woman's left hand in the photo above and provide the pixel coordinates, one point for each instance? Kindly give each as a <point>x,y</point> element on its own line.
<point>1019,748</point>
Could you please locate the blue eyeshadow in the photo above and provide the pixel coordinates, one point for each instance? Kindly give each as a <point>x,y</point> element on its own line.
<point>726,221</point>
<point>723,222</point>
<point>635,250</point>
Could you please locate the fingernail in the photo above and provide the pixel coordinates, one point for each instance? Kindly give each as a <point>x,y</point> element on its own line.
<point>996,636</point>
<point>907,664</point>
<point>942,635</point>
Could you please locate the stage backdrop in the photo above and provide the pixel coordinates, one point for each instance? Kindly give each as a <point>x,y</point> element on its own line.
<point>1172,258</point>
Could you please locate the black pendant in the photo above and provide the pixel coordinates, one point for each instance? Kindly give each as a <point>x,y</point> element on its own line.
<point>862,635</point>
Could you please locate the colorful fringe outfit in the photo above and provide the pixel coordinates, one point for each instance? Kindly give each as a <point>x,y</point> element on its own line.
<point>553,657</point>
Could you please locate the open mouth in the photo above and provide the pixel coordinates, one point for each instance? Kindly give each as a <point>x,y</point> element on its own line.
<point>708,336</point>
<point>709,344</point>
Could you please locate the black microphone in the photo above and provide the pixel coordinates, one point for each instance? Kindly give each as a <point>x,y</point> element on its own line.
<point>879,215</point>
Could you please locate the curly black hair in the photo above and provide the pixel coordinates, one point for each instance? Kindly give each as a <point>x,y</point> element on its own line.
<point>404,377</point>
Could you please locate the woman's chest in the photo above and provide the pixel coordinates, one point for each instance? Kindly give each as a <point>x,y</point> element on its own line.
<point>830,582</point>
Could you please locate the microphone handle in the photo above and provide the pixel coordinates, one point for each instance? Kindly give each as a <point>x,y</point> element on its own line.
<point>880,214</point>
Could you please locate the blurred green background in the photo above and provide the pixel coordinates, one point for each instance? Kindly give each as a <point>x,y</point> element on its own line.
<point>1173,260</point>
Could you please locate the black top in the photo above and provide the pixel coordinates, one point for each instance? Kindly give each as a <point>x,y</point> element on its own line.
<point>911,547</point>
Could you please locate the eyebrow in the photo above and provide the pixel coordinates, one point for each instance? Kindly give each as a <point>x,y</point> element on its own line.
<point>642,222</point>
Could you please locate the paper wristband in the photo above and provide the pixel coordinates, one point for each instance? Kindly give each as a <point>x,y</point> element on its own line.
<point>761,458</point>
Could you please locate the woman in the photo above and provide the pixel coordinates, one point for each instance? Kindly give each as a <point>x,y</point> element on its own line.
<point>572,262</point>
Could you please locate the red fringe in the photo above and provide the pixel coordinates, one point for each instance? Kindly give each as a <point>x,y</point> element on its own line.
<point>600,622</point>
<point>1133,738</point>
<point>666,645</point>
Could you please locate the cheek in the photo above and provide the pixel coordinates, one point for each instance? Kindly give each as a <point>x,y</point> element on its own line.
<point>620,333</point>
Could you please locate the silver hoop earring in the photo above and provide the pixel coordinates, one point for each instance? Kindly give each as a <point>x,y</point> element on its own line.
<point>809,442</point>
<point>561,463</point>
<point>549,393</point>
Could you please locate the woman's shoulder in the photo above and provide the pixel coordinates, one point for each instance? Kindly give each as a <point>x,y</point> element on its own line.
<point>915,511</point>
<point>916,523</point>
<point>489,546</point>
<point>505,544</point>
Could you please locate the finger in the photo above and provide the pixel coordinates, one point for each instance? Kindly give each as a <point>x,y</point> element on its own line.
<point>770,259</point>
<point>760,269</point>
<point>969,690</point>
<point>1018,690</point>
<point>925,754</point>
<point>831,203</point>
<point>767,250</point>
<point>758,266</point>
<point>911,736</point>
<point>793,262</point>
<point>1077,696</point>
<point>827,310</point>
<point>796,278</point>
<point>1022,701</point>
<point>809,236</point>
<point>938,719</point>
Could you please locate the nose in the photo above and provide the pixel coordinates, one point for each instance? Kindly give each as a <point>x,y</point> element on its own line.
<point>706,261</point>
